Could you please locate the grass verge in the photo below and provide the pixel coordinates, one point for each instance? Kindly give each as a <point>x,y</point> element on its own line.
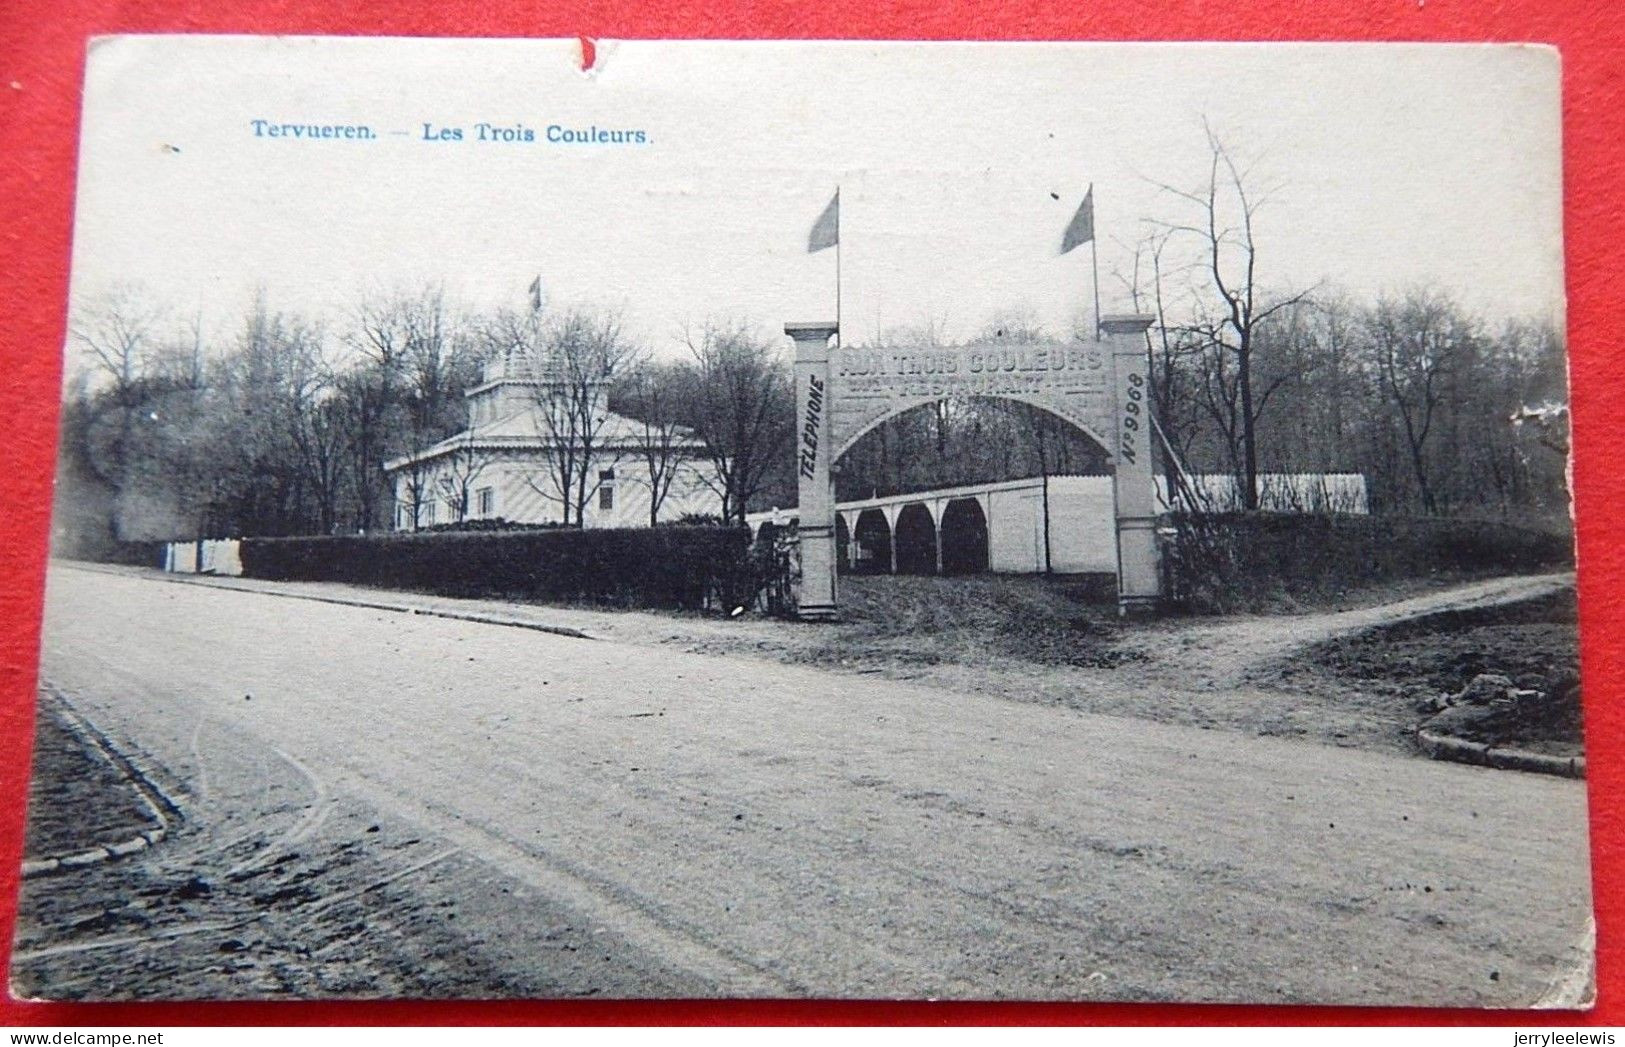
<point>1402,673</point>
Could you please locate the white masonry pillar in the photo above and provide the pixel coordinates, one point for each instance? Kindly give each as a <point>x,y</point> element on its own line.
<point>1139,582</point>
<point>814,447</point>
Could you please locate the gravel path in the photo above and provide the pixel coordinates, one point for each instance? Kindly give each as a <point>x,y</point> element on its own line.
<point>1226,652</point>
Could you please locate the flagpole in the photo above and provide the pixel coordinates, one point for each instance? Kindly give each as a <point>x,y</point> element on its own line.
<point>1094,260</point>
<point>837,267</point>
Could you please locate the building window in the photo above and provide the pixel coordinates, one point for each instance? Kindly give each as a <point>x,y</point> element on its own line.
<point>485,500</point>
<point>429,511</point>
<point>606,489</point>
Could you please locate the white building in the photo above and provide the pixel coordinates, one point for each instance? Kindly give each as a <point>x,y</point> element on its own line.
<point>510,462</point>
<point>1065,524</point>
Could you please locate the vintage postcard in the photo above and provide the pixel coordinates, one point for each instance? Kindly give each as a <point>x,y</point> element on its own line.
<point>812,520</point>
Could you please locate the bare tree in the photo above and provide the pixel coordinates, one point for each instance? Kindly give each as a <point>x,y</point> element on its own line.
<point>363,405</point>
<point>740,403</point>
<point>1018,324</point>
<point>413,482</point>
<point>572,357</point>
<point>118,330</point>
<point>378,336</point>
<point>931,332</point>
<point>1415,343</point>
<point>318,431</point>
<point>1226,209</point>
<point>417,356</point>
<point>458,472</point>
<point>177,358</point>
<point>271,378</point>
<point>191,421</point>
<point>1171,350</point>
<point>653,397</point>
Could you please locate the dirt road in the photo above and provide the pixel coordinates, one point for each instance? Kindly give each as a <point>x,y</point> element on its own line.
<point>1224,653</point>
<point>723,826</point>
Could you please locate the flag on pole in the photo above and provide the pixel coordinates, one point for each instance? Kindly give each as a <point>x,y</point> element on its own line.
<point>1081,230</point>
<point>826,232</point>
<point>537,297</point>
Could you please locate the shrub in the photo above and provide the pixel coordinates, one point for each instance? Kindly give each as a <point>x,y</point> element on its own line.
<point>775,564</point>
<point>672,567</point>
<point>492,523</point>
<point>1250,561</point>
<point>109,550</point>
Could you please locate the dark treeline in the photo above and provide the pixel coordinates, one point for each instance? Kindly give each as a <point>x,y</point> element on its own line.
<point>1409,388</point>
<point>1441,412</point>
<point>1424,400</point>
<point>1412,391</point>
<point>283,427</point>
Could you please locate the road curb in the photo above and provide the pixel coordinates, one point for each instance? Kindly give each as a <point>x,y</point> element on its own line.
<point>477,617</point>
<point>1448,747</point>
<point>160,806</point>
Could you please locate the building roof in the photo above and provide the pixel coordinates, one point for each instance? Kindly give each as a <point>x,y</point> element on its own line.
<point>522,430</point>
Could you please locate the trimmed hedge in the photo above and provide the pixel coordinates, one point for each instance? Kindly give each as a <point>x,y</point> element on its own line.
<point>129,554</point>
<point>494,523</point>
<point>690,568</point>
<point>1254,561</point>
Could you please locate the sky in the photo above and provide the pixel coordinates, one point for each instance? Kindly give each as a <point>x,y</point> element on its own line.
<point>959,165</point>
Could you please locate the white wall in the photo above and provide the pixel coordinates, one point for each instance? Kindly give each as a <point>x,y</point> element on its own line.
<point>1082,511</point>
<point>1015,538</point>
<point>219,556</point>
<point>1282,492</point>
<point>1082,531</point>
<point>522,493</point>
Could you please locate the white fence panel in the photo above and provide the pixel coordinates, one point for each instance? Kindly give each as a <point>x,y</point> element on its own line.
<point>214,556</point>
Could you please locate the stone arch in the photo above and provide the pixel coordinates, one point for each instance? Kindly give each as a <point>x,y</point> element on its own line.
<point>915,540</point>
<point>964,537</point>
<point>901,407</point>
<point>872,536</point>
<point>1101,390</point>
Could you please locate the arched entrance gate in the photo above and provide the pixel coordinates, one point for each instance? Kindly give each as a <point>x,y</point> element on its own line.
<point>1100,387</point>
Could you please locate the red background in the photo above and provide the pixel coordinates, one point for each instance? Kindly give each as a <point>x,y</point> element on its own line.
<point>41,67</point>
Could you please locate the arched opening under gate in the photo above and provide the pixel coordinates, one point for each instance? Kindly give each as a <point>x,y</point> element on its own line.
<point>916,540</point>
<point>873,538</point>
<point>964,537</point>
<point>843,544</point>
<point>904,460</point>
<point>961,441</point>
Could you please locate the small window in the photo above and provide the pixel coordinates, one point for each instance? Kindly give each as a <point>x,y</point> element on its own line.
<point>486,501</point>
<point>606,489</point>
<point>428,512</point>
